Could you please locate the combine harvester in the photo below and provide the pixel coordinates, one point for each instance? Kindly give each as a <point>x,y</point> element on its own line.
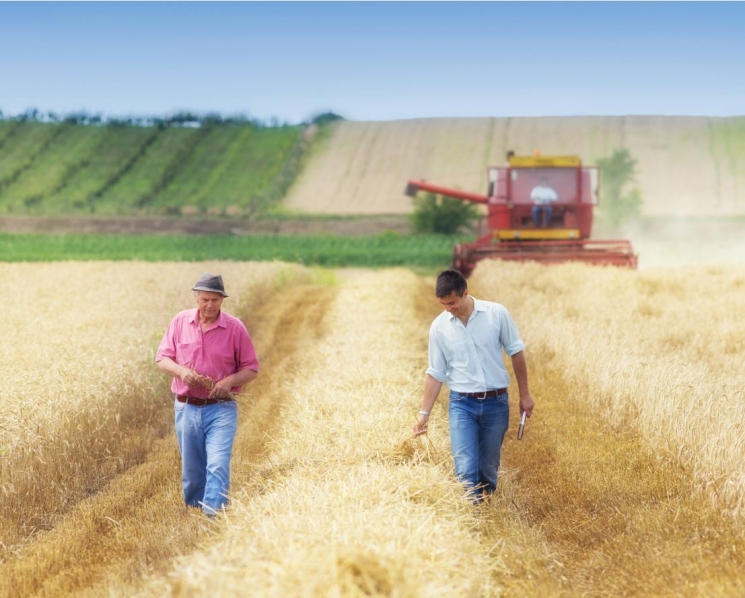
<point>516,231</point>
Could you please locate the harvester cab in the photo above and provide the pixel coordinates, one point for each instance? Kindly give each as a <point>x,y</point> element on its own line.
<point>539,208</point>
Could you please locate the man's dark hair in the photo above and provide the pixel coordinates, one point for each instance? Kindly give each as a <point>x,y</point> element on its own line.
<point>450,281</point>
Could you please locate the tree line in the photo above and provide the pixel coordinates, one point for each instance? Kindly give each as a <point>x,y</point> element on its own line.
<point>178,119</point>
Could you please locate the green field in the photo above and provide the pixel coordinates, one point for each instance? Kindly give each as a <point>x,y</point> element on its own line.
<point>123,169</point>
<point>387,249</point>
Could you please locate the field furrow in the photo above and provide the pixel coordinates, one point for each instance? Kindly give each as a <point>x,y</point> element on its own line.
<point>630,476</point>
<point>618,518</point>
<point>259,171</point>
<point>82,402</point>
<point>625,484</point>
<point>354,507</point>
<point>660,351</point>
<point>134,525</point>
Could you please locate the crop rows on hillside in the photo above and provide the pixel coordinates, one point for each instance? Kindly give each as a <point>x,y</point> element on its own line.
<point>121,169</point>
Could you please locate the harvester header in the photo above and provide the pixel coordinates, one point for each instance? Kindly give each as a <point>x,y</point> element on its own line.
<point>539,208</point>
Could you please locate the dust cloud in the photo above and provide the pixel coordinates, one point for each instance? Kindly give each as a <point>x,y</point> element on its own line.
<point>679,242</point>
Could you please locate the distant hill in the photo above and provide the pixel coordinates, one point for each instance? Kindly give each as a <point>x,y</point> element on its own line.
<point>124,169</point>
<point>687,166</point>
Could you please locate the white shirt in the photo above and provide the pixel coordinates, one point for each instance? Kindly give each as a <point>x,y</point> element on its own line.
<point>543,194</point>
<point>469,358</point>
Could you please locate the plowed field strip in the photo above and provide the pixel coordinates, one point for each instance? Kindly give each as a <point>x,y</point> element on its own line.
<point>138,523</point>
<point>619,519</point>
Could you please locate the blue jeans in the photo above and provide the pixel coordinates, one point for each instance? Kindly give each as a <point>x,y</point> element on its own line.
<point>205,440</point>
<point>477,429</point>
<point>548,210</point>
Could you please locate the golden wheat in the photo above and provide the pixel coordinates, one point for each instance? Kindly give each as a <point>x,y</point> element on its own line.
<point>79,384</point>
<point>660,349</point>
<point>333,497</point>
<point>354,506</point>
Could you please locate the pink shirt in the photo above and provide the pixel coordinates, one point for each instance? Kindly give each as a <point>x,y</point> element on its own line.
<point>224,349</point>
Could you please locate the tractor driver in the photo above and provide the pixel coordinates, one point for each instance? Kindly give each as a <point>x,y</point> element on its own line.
<point>542,197</point>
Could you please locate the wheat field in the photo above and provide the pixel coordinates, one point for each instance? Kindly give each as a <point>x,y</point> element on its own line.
<point>80,397</point>
<point>661,350</point>
<point>628,481</point>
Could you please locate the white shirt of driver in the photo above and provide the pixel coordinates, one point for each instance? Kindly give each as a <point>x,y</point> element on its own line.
<point>543,194</point>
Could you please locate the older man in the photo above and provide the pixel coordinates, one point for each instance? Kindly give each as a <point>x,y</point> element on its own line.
<point>210,356</point>
<point>465,350</point>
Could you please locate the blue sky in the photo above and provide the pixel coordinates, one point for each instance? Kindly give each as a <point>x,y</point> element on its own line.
<point>374,61</point>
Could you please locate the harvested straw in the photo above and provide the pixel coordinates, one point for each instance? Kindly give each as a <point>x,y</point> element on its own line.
<point>82,400</point>
<point>660,349</point>
<point>354,505</point>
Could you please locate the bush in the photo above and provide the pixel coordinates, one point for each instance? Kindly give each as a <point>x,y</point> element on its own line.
<point>618,205</point>
<point>326,117</point>
<point>442,215</point>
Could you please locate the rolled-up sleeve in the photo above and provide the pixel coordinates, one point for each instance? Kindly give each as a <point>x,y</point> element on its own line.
<point>245,358</point>
<point>167,347</point>
<point>437,362</point>
<point>508,333</point>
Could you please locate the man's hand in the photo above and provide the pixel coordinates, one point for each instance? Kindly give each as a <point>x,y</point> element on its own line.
<point>221,390</point>
<point>526,404</point>
<point>189,377</point>
<point>521,373</point>
<point>193,379</point>
<point>432,388</point>
<point>420,427</point>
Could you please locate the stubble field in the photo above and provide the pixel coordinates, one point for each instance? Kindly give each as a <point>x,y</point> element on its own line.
<point>687,166</point>
<point>628,482</point>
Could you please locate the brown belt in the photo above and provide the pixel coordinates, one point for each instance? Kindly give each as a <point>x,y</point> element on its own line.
<point>484,395</point>
<point>197,402</point>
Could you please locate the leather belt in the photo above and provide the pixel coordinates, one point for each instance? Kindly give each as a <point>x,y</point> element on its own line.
<point>197,402</point>
<point>484,395</point>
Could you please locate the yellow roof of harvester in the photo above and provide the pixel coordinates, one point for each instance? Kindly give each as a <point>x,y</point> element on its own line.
<point>534,161</point>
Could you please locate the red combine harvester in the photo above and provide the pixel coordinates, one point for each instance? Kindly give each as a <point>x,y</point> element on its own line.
<point>517,231</point>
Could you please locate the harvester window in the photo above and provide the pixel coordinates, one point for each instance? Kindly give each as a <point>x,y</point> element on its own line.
<point>562,180</point>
